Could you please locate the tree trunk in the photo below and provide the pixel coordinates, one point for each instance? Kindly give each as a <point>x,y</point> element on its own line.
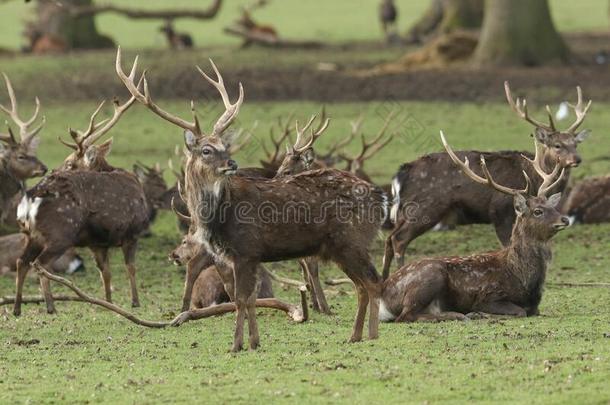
<point>53,20</point>
<point>445,16</point>
<point>519,32</point>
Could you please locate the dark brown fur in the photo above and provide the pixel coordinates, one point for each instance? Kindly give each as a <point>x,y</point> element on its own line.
<point>589,201</point>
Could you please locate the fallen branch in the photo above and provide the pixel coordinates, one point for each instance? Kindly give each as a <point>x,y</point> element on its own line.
<point>169,14</point>
<point>284,280</point>
<point>297,314</point>
<point>38,299</point>
<point>270,41</point>
<point>338,281</point>
<point>578,284</point>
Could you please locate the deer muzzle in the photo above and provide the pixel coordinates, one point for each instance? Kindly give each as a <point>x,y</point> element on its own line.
<point>229,168</point>
<point>565,222</point>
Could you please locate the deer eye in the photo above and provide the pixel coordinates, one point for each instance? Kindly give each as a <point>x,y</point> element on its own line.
<point>557,146</point>
<point>206,151</point>
<point>538,212</point>
<point>20,157</point>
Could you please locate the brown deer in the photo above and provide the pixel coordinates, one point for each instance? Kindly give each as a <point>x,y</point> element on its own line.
<point>208,289</point>
<point>254,29</point>
<point>505,282</point>
<point>387,16</point>
<point>12,247</point>
<point>18,161</point>
<point>589,201</point>
<point>176,40</point>
<point>427,190</point>
<point>87,203</point>
<point>154,186</point>
<point>240,239</point>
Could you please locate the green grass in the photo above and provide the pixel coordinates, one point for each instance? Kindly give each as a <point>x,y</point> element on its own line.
<point>332,21</point>
<point>85,354</point>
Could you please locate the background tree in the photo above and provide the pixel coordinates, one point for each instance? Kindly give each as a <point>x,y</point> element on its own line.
<point>519,32</point>
<point>445,16</point>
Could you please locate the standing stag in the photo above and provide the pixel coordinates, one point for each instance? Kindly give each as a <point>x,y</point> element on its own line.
<point>87,203</point>
<point>18,161</point>
<point>240,238</point>
<point>427,190</point>
<point>504,282</point>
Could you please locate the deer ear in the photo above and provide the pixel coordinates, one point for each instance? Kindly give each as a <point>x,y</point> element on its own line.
<point>582,135</point>
<point>104,149</point>
<point>33,145</point>
<point>308,156</point>
<point>190,139</point>
<point>542,136</point>
<point>139,172</point>
<point>520,204</point>
<point>554,200</point>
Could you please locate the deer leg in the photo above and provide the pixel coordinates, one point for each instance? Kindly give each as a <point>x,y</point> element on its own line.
<point>193,268</point>
<point>23,266</point>
<point>245,301</point>
<point>102,262</point>
<point>46,259</point>
<point>311,266</point>
<point>129,254</point>
<point>307,280</point>
<point>441,317</point>
<point>420,292</point>
<point>505,308</point>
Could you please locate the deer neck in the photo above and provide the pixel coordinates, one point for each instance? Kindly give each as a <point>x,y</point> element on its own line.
<point>528,257</point>
<point>204,196</point>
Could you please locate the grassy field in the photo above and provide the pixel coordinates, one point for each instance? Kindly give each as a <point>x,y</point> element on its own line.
<point>85,354</point>
<point>334,21</point>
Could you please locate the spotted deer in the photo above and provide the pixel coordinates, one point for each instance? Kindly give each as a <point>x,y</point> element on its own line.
<point>589,201</point>
<point>239,240</point>
<point>18,161</point>
<point>505,282</point>
<point>86,203</point>
<point>428,189</point>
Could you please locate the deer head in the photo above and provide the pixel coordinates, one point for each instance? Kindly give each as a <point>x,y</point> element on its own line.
<point>87,155</point>
<point>560,145</point>
<point>208,154</point>
<point>185,251</point>
<point>300,157</point>
<point>153,183</point>
<point>538,215</point>
<point>19,156</point>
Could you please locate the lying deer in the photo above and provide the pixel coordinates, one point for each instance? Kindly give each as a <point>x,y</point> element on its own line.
<point>87,203</point>
<point>505,282</point>
<point>238,241</point>
<point>208,288</point>
<point>589,201</point>
<point>18,161</point>
<point>12,247</point>
<point>427,190</point>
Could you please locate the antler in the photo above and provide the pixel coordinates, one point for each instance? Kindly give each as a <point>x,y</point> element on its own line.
<point>487,180</point>
<point>94,131</point>
<point>25,133</point>
<point>9,138</point>
<point>236,147</point>
<point>369,149</point>
<point>549,180</point>
<point>286,129</point>
<point>231,110</point>
<point>300,145</point>
<point>579,110</point>
<point>520,107</point>
<point>356,126</point>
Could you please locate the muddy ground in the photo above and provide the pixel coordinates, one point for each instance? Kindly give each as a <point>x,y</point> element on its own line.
<point>302,79</point>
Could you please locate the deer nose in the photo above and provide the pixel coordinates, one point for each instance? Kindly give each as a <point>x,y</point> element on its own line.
<point>44,169</point>
<point>232,164</point>
<point>565,220</point>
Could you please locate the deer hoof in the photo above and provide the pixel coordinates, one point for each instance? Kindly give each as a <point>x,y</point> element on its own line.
<point>17,312</point>
<point>237,348</point>
<point>355,339</point>
<point>475,315</point>
<point>135,304</point>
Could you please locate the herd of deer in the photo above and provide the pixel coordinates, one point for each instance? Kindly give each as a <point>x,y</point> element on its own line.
<point>298,206</point>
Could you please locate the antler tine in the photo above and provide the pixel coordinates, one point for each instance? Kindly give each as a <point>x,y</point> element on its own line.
<point>231,110</point>
<point>298,143</point>
<point>315,135</point>
<point>549,180</point>
<point>580,112</point>
<point>371,148</point>
<point>488,180</point>
<point>249,133</point>
<point>24,133</point>
<point>520,107</point>
<point>178,213</point>
<point>146,98</point>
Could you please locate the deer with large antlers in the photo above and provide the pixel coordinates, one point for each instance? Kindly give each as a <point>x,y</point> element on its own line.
<point>18,161</point>
<point>86,203</point>
<point>506,282</point>
<point>240,238</point>
<point>426,190</point>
